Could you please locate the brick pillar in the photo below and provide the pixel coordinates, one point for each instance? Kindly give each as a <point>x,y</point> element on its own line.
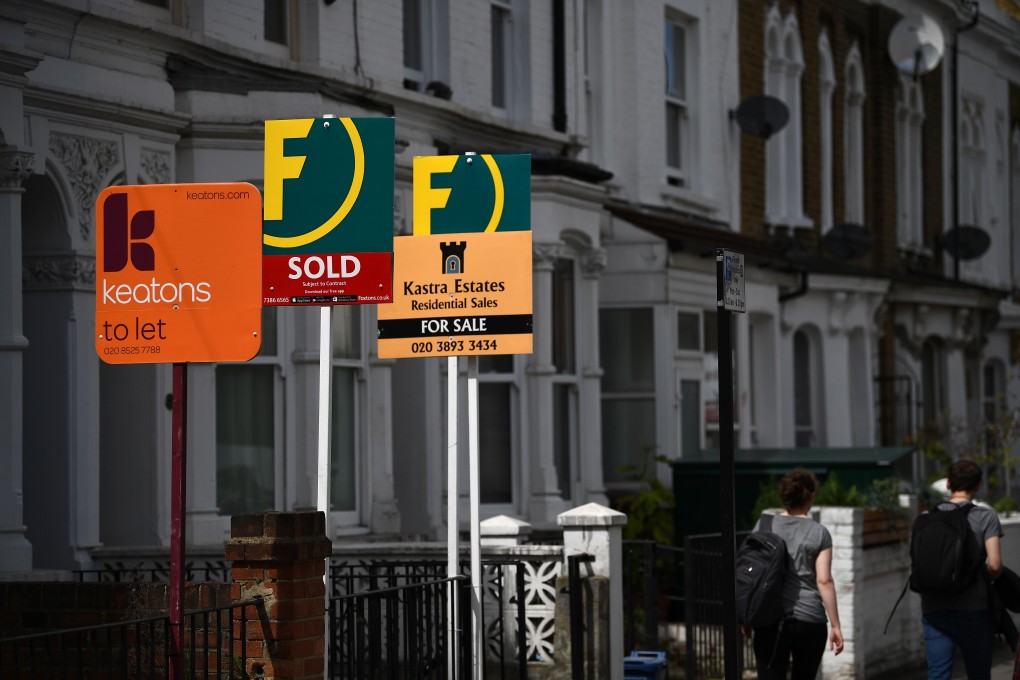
<point>281,556</point>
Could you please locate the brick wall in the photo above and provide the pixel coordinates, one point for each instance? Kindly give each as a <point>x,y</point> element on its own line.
<point>282,557</point>
<point>35,607</point>
<point>845,23</point>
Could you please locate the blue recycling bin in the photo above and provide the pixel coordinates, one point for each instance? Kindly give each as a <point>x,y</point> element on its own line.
<point>644,665</point>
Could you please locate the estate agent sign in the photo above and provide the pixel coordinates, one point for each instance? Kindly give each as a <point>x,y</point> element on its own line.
<point>328,216</point>
<point>178,268</point>
<point>463,280</point>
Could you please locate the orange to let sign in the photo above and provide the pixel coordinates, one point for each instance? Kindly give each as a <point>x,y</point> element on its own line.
<point>178,273</point>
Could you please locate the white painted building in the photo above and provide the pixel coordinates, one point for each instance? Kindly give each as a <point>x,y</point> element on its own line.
<point>634,186</point>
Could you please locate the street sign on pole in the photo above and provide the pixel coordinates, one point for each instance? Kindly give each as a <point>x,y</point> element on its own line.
<point>462,286</point>
<point>178,272</point>
<point>730,296</point>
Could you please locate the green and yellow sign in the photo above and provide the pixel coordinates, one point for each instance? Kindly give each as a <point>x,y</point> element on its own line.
<point>328,211</point>
<point>458,194</point>
<point>462,282</point>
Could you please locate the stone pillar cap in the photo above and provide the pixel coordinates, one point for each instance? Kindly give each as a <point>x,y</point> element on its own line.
<point>504,525</point>
<point>591,515</point>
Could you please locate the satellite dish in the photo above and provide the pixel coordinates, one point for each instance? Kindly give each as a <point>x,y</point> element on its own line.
<point>848,241</point>
<point>761,115</point>
<point>966,242</point>
<point>916,45</point>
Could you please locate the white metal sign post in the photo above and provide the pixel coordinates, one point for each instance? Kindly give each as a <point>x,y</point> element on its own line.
<point>452,500</point>
<point>730,286</point>
<point>463,288</point>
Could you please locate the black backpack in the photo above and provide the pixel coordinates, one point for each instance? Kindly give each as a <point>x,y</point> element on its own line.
<point>760,570</point>
<point>944,555</point>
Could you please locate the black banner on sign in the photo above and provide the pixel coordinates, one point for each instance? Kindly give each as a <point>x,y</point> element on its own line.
<point>505,324</point>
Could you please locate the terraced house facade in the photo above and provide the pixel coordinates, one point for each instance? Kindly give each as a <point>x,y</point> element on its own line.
<point>640,170</point>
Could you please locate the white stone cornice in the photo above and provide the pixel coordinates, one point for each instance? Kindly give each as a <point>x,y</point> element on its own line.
<point>103,115</point>
<point>66,271</point>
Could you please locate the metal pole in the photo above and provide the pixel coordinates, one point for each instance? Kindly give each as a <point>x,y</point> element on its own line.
<point>731,640</point>
<point>477,639</point>
<point>178,496</point>
<point>325,408</point>
<point>452,529</point>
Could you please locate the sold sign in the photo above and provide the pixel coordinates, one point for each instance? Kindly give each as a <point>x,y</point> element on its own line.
<point>328,211</point>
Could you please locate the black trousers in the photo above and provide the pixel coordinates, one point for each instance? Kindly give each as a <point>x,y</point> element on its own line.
<point>801,641</point>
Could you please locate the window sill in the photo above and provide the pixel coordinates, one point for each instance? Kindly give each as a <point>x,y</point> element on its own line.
<point>788,225</point>
<point>685,199</point>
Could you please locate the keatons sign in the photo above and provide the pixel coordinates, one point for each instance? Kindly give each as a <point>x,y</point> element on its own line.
<point>178,268</point>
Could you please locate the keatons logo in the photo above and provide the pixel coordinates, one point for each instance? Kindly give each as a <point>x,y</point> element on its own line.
<point>122,243</point>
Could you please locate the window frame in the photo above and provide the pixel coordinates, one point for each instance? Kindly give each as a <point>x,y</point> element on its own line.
<point>289,49</point>
<point>433,36</point>
<point>262,358</point>
<point>909,164</point>
<point>678,175</point>
<point>612,481</point>
<point>784,67</point>
<point>826,88</point>
<point>853,136</point>
<point>502,100</point>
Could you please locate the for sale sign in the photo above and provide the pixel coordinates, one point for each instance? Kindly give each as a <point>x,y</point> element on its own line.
<point>328,213</point>
<point>463,280</point>
<point>178,273</point>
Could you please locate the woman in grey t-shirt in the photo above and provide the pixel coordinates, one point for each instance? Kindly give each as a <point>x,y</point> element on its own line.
<point>809,593</point>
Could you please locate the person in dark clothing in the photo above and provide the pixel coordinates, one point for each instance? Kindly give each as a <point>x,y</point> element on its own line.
<point>964,619</point>
<point>809,593</point>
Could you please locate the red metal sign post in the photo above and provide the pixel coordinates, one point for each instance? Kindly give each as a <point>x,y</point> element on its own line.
<point>178,495</point>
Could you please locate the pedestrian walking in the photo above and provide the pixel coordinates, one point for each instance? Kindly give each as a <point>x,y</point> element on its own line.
<point>797,642</point>
<point>961,616</point>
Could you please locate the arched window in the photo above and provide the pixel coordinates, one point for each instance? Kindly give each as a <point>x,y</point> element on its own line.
<point>826,85</point>
<point>784,64</point>
<point>808,409</point>
<point>854,137</point>
<point>972,164</point>
<point>993,401</point>
<point>1014,191</point>
<point>909,185</point>
<point>933,380</point>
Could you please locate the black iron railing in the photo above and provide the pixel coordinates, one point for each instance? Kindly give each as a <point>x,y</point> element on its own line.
<point>703,620</point>
<point>215,646</point>
<point>392,619</point>
<point>395,632</point>
<point>207,572</point>
<point>653,577</point>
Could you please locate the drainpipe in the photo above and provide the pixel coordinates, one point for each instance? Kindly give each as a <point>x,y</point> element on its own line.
<point>801,289</point>
<point>973,6</point>
<point>559,67</point>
